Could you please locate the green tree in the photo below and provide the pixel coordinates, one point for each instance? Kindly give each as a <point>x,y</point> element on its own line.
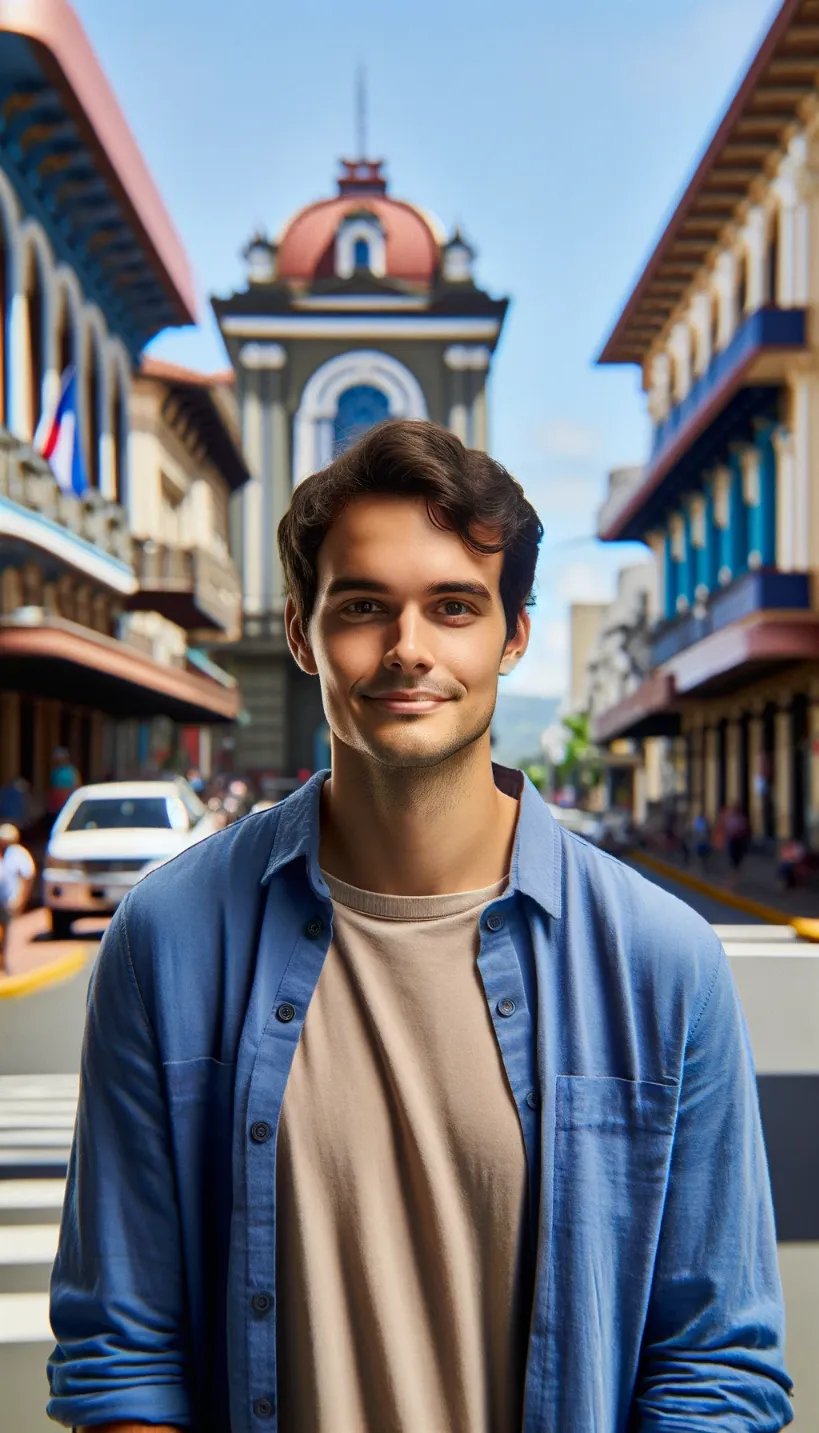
<point>582,766</point>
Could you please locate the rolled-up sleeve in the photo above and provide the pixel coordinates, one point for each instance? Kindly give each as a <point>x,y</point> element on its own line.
<point>117,1289</point>
<point>713,1350</point>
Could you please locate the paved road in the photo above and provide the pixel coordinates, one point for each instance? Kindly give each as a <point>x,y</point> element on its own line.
<point>40,1041</point>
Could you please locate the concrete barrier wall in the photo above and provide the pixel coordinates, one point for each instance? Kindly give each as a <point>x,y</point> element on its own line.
<point>780,997</point>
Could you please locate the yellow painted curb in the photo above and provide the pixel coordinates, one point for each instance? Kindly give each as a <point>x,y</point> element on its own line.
<point>769,915</point>
<point>51,974</point>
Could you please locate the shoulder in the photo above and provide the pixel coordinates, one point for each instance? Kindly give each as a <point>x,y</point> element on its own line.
<point>192,893</point>
<point>658,941</point>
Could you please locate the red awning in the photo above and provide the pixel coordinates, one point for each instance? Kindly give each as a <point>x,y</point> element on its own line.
<point>647,712</point>
<point>67,662</point>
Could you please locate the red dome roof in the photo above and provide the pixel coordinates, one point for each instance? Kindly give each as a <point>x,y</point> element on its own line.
<point>307,243</point>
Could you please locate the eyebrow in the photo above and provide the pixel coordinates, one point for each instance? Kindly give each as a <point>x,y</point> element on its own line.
<point>435,589</point>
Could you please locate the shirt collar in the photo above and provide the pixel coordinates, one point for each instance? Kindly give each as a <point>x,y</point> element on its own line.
<point>536,856</point>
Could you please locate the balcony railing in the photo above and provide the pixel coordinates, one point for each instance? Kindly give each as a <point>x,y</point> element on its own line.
<point>753,592</point>
<point>27,480</point>
<point>192,586</point>
<point>742,383</point>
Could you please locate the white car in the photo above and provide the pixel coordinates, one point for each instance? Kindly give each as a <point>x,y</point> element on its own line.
<point>107,837</point>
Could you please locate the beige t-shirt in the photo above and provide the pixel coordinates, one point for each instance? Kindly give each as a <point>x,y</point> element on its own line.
<point>404,1296</point>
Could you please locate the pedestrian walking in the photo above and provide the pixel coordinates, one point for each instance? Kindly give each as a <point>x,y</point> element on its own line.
<point>17,872</point>
<point>737,839</point>
<point>401,1107</point>
<point>64,779</point>
<point>701,836</point>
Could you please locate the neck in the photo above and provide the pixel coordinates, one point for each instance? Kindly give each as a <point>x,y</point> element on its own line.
<point>416,831</point>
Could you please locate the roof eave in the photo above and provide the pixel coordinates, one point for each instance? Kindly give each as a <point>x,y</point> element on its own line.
<point>617,349</point>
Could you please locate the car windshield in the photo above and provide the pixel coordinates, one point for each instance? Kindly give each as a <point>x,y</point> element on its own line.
<point>107,813</point>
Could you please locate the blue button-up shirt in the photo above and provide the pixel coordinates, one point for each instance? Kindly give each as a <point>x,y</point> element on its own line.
<point>657,1300</point>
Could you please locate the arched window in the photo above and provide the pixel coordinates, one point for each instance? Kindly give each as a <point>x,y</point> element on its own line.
<point>742,287</point>
<point>66,339</point>
<point>4,317</point>
<point>93,412</point>
<point>359,408</point>
<point>361,254</point>
<point>714,325</point>
<point>35,304</point>
<point>772,277</point>
<point>119,440</point>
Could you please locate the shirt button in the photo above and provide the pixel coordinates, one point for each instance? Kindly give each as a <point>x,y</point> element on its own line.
<point>262,1303</point>
<point>505,1008</point>
<point>494,922</point>
<point>260,1132</point>
<point>533,1099</point>
<point>285,1013</point>
<point>263,1408</point>
<point>314,927</point>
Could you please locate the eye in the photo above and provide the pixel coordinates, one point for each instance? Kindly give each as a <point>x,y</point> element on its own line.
<point>359,602</point>
<point>455,602</point>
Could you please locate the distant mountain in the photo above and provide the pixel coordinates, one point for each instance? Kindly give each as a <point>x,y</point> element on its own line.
<point>517,724</point>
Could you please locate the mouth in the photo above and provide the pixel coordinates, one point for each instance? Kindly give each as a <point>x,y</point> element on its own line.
<point>412,705</point>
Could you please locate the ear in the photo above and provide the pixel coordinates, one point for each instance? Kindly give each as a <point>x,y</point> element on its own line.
<point>516,646</point>
<point>297,641</point>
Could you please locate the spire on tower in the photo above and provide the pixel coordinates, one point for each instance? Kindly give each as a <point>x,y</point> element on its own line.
<point>361,112</point>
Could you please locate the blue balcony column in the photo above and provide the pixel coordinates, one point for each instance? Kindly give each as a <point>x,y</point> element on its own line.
<point>687,577</point>
<point>670,578</point>
<point>697,526</point>
<point>762,517</point>
<point>738,516</point>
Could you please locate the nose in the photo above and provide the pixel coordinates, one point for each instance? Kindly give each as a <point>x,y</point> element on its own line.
<point>408,650</point>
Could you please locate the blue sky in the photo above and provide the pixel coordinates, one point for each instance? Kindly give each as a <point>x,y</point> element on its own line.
<point>557,132</point>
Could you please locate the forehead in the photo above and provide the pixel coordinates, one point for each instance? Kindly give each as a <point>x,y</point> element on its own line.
<point>389,537</point>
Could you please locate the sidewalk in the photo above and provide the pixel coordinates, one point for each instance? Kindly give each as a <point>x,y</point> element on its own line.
<point>757,890</point>
<point>33,959</point>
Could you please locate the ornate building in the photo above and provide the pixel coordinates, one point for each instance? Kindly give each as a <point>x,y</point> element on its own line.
<point>361,310</point>
<point>91,269</point>
<point>721,323</point>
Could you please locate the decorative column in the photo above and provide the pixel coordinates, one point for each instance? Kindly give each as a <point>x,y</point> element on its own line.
<point>804,395</point>
<point>670,578</point>
<point>756,767</point>
<point>756,235</point>
<point>266,496</point>
<point>696,738</point>
<point>733,774</point>
<point>677,528</point>
<point>751,493</point>
<point>19,359</point>
<point>468,365</point>
<point>737,516</point>
<point>783,790</point>
<point>711,785</point>
<point>765,536</point>
<point>457,418</point>
<point>782,443</point>
<point>722,508</point>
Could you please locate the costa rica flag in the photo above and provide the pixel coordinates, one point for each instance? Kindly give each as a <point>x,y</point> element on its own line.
<point>58,438</point>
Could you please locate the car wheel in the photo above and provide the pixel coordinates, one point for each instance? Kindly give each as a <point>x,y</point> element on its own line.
<point>61,923</point>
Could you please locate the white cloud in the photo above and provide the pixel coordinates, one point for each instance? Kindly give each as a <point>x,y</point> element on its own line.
<point>561,438</point>
<point>584,581</point>
<point>544,671</point>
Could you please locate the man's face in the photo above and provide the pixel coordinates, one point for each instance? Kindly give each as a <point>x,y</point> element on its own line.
<point>377,629</point>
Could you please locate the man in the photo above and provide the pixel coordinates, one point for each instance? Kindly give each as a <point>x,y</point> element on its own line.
<point>17,872</point>
<point>402,1110</point>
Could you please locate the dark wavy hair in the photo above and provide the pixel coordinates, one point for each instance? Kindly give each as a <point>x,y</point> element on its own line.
<point>463,488</point>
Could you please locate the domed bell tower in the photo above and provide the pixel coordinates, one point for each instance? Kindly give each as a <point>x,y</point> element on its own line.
<point>362,309</point>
